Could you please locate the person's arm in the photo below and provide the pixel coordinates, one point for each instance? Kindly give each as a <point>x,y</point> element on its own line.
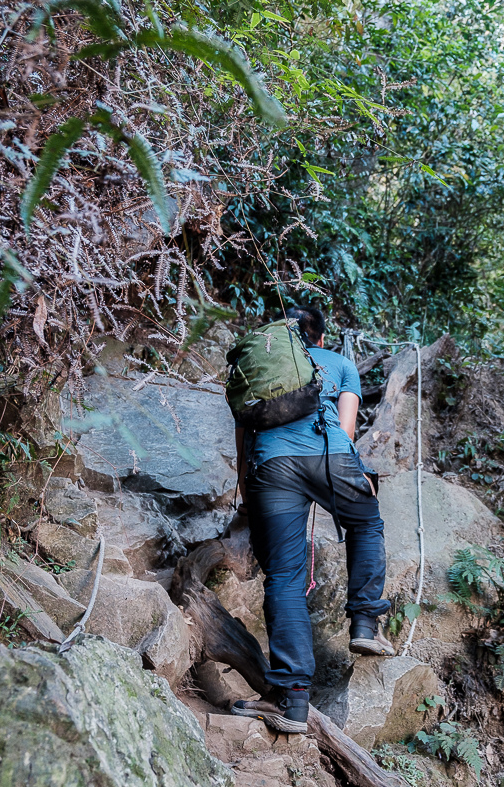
<point>241,462</point>
<point>348,405</point>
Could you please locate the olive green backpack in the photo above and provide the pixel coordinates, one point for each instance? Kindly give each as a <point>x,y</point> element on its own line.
<point>273,378</point>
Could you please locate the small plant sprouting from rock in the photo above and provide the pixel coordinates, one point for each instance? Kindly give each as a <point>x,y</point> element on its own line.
<point>216,577</point>
<point>53,567</point>
<point>409,611</point>
<point>431,702</point>
<point>10,628</point>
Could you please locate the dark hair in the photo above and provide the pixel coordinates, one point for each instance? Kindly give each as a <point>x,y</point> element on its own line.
<point>311,321</point>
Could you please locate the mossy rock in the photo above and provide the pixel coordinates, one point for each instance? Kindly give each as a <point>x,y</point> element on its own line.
<point>93,716</point>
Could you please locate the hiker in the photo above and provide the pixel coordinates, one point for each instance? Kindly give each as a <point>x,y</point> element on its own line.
<point>282,471</point>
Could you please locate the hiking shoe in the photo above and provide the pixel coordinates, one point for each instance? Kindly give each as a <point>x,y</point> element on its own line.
<point>284,709</point>
<point>368,639</point>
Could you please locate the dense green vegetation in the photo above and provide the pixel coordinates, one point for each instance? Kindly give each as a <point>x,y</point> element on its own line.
<point>397,246</point>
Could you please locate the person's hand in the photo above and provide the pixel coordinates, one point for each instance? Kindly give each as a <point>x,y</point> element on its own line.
<point>373,490</point>
<point>240,518</point>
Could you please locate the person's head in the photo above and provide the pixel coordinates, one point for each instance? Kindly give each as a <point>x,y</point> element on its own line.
<point>311,322</point>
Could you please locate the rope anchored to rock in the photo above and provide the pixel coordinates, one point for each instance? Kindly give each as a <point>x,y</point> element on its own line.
<point>79,627</point>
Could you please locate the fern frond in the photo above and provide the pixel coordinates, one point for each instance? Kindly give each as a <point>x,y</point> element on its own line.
<point>465,573</point>
<point>150,170</point>
<point>50,160</point>
<point>147,164</point>
<point>446,743</point>
<point>456,598</point>
<point>12,273</point>
<point>467,750</point>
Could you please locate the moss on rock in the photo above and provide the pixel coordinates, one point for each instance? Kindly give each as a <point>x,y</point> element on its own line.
<point>93,716</point>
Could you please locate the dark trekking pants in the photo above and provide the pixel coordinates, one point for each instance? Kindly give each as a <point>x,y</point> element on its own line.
<point>279,499</point>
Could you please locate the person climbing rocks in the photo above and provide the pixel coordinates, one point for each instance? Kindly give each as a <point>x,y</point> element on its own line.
<point>288,471</point>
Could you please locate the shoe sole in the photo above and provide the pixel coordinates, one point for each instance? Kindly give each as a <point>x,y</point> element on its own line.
<point>365,648</point>
<point>273,719</point>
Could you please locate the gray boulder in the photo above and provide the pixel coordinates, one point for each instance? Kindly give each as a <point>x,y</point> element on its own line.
<point>199,527</point>
<point>18,604</point>
<point>207,357</point>
<point>222,685</point>
<point>135,524</point>
<point>47,606</point>
<point>93,716</point>
<point>378,698</point>
<point>183,439</point>
<point>136,614</point>
<point>69,505</point>
<point>66,546</point>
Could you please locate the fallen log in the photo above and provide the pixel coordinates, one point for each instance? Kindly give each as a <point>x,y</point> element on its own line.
<point>356,763</point>
<point>365,366</point>
<point>370,391</point>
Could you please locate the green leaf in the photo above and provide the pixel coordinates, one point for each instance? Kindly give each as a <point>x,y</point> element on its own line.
<point>155,21</point>
<point>319,169</point>
<point>431,172</point>
<point>309,276</point>
<point>50,160</point>
<point>42,100</point>
<point>300,146</point>
<point>150,170</point>
<point>422,707</point>
<point>412,611</point>
<point>276,17</point>
<point>312,172</point>
<point>207,47</point>
<point>256,18</point>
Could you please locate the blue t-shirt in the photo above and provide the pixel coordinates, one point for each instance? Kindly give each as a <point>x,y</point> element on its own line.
<point>299,437</point>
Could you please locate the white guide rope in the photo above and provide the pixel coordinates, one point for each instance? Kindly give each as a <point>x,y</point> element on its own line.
<point>419,466</point>
<point>67,644</point>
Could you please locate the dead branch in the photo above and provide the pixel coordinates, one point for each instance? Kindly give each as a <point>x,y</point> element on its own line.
<point>365,366</point>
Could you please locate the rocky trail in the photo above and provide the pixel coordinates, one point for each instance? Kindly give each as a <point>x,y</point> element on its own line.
<point>177,629</point>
